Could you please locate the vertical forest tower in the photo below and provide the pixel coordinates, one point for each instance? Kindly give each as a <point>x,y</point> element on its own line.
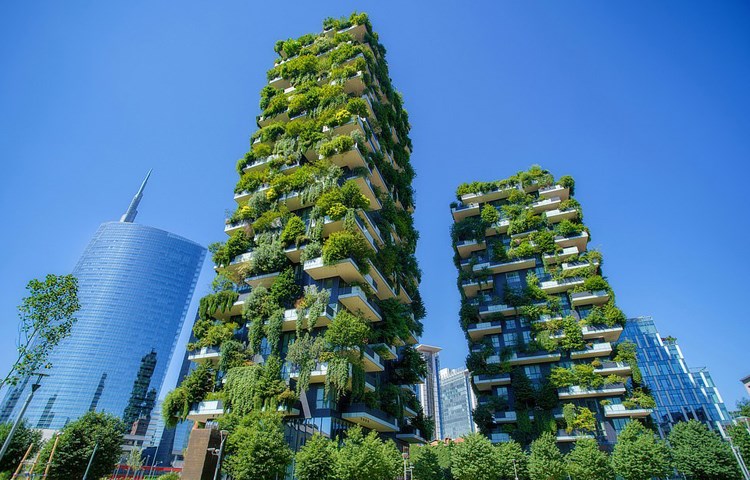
<point>316,309</point>
<point>540,319</point>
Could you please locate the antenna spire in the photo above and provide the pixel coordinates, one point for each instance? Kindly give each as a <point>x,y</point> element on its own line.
<point>132,210</point>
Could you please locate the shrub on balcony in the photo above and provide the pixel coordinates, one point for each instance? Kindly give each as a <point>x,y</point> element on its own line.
<point>216,302</point>
<point>525,222</point>
<point>578,418</point>
<point>232,355</point>
<point>268,257</point>
<point>523,250</point>
<point>250,181</point>
<point>566,228</point>
<point>489,215</point>
<point>567,182</point>
<point>344,244</point>
<point>338,144</point>
<point>410,368</point>
<point>238,243</point>
<point>209,334</point>
<point>304,352</point>
<point>347,331</point>
<point>470,228</point>
<point>639,399</point>
<point>294,231</point>
<point>625,351</point>
<point>276,105</point>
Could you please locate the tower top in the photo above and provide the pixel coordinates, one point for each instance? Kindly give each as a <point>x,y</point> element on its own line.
<point>132,210</point>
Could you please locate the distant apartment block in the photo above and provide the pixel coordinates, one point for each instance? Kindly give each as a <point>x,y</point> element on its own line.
<point>457,401</point>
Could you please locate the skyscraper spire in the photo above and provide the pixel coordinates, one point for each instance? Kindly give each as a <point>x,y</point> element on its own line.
<point>132,210</point>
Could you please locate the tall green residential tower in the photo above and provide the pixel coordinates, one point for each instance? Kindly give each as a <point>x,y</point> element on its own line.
<point>540,319</point>
<point>316,308</point>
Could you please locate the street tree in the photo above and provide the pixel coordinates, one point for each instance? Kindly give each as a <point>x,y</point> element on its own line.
<point>512,460</point>
<point>367,456</point>
<point>256,449</point>
<point>546,462</point>
<point>700,453</point>
<point>475,459</point>
<point>741,439</point>
<point>316,459</point>
<point>426,464</point>
<point>78,439</point>
<point>639,455</point>
<point>23,437</point>
<point>587,462</point>
<point>46,316</point>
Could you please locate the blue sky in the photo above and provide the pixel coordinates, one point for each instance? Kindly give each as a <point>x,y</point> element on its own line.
<point>644,103</point>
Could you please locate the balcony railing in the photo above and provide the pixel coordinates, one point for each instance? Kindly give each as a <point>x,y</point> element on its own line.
<point>372,418</point>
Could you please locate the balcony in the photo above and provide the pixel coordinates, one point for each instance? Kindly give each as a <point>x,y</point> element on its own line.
<point>370,382</point>
<point>242,197</point>
<point>579,241</point>
<point>501,226</point>
<point>496,308</point>
<point>608,334</point>
<point>546,204</point>
<point>484,383</point>
<point>234,310</point>
<point>387,352</point>
<point>355,300</point>
<point>205,354</point>
<point>354,125</point>
<point>293,201</point>
<point>318,374</point>
<point>371,418</point>
<point>409,412</point>
<point>580,392</point>
<point>554,191</point>
<point>357,32</point>
<point>411,339</point>
<point>372,360</point>
<point>484,197</point>
<point>365,186</point>
<point>509,266</point>
<point>620,411</point>
<point>264,121</point>
<point>383,289</point>
<point>345,269</point>
<point>258,165</point>
<point>520,358</point>
<point>477,331</point>
<point>563,436</point>
<point>499,437</point>
<point>557,215</point>
<point>504,417</point>
<point>597,297</point>
<point>287,411</point>
<point>265,280</point>
<point>351,158</point>
<point>466,247</point>
<point>330,226</point>
<point>294,252</point>
<point>291,315</point>
<point>614,368</point>
<point>557,286</point>
<point>410,434</point>
<point>569,266</point>
<point>372,228</point>
<point>354,85</point>
<point>472,286</point>
<point>464,210</point>
<point>279,83</point>
<point>237,262</point>
<point>230,228</point>
<point>565,254</point>
<point>595,350</point>
<point>206,410</point>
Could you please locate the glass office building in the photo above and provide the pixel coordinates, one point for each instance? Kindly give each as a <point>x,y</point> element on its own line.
<point>135,286</point>
<point>457,400</point>
<point>681,393</point>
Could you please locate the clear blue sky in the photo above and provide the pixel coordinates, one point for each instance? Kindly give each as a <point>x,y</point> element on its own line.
<point>644,103</point>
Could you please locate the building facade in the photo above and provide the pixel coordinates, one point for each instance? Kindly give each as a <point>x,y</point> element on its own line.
<point>681,393</point>
<point>135,284</point>
<point>540,319</point>
<point>746,382</point>
<point>429,391</point>
<point>457,402</point>
<point>320,281</point>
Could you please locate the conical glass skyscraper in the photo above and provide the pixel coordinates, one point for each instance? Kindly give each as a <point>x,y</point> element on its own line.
<point>135,286</point>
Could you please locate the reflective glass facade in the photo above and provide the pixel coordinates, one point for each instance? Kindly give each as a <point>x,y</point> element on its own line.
<point>457,400</point>
<point>681,393</point>
<point>135,286</point>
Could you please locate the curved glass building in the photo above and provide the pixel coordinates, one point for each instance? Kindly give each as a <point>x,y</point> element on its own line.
<point>135,286</point>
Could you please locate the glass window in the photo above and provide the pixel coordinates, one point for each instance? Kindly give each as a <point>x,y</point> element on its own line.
<point>534,372</point>
<point>513,279</point>
<point>510,324</point>
<point>510,339</point>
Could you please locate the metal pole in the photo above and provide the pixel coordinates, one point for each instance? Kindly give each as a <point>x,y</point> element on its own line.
<point>515,472</point>
<point>91,460</point>
<point>13,429</point>
<point>223,434</point>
